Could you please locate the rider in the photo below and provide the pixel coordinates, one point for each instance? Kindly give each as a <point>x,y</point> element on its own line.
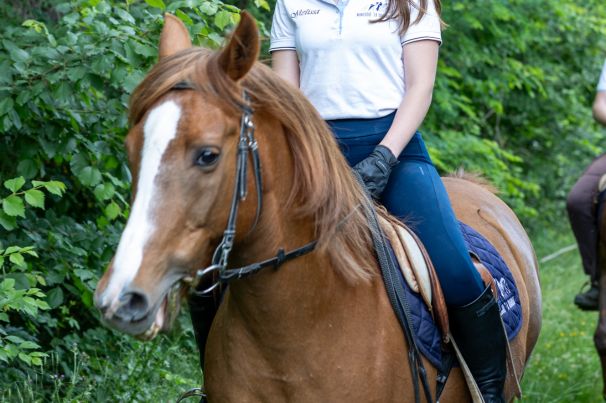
<point>369,68</point>
<point>582,212</point>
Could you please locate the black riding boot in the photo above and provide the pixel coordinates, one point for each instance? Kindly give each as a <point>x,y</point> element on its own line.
<point>202,310</point>
<point>478,331</point>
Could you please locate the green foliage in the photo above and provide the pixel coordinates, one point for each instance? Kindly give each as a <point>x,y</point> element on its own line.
<point>20,298</point>
<point>513,97</point>
<point>64,90</point>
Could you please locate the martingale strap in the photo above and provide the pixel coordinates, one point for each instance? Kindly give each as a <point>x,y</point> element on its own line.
<point>275,262</point>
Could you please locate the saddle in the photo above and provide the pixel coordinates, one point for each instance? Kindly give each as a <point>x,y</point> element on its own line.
<point>420,276</point>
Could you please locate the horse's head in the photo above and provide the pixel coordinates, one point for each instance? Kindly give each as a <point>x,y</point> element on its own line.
<point>182,150</point>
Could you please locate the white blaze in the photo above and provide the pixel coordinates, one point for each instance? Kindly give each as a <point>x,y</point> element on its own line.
<point>160,128</point>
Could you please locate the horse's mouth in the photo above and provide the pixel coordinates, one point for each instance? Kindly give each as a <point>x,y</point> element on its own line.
<point>159,318</point>
<point>165,314</point>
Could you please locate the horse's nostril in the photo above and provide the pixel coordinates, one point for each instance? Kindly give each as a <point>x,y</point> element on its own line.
<point>133,306</point>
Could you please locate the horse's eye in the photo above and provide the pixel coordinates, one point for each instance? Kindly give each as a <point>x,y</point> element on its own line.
<point>207,157</point>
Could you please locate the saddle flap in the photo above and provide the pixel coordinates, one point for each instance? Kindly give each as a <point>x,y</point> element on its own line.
<point>417,270</point>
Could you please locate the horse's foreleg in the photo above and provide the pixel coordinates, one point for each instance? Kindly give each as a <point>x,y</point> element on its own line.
<point>599,337</point>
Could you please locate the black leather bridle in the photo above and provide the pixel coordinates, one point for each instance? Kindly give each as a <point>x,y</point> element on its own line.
<point>247,146</point>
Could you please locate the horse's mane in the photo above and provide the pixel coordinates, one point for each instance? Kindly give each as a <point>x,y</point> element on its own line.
<point>325,189</point>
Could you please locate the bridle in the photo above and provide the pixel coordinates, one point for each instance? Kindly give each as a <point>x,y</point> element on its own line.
<point>218,271</point>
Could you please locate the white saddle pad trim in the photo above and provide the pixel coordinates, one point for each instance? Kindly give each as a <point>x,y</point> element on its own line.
<point>413,251</point>
<point>411,259</point>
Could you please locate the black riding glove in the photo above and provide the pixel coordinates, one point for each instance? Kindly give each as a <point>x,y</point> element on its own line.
<point>375,169</point>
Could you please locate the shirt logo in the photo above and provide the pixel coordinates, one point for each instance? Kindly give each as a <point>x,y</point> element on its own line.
<point>304,12</point>
<point>375,6</point>
<point>375,9</point>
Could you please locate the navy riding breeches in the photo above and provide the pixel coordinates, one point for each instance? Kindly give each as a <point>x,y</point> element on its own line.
<point>416,195</point>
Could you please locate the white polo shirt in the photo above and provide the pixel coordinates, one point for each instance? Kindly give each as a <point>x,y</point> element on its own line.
<point>602,82</point>
<point>349,68</point>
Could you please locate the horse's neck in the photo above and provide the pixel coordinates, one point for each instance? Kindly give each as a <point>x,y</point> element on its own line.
<point>307,280</point>
<point>265,296</point>
<point>301,330</point>
<point>301,323</point>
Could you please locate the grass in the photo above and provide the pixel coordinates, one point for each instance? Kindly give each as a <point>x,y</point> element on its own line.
<point>114,369</point>
<point>564,366</point>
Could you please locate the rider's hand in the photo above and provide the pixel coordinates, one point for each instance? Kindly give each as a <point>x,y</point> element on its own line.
<point>375,169</point>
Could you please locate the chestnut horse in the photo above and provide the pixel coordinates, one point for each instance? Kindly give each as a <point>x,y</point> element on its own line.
<point>318,329</point>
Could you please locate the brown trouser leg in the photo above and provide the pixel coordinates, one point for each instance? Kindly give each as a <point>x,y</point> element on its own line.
<point>582,215</point>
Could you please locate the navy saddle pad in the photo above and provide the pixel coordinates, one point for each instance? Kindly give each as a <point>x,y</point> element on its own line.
<point>427,334</point>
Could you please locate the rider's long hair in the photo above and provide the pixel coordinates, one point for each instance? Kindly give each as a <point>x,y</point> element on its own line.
<point>401,10</point>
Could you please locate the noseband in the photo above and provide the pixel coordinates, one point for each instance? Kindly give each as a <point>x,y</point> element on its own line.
<point>247,145</point>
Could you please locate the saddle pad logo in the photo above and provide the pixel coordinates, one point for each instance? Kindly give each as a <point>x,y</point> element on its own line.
<point>506,296</point>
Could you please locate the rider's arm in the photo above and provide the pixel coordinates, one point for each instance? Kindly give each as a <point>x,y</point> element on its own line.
<point>420,63</point>
<point>599,107</point>
<point>286,64</point>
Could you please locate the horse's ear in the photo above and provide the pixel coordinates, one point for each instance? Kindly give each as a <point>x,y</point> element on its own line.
<point>174,36</point>
<point>237,58</point>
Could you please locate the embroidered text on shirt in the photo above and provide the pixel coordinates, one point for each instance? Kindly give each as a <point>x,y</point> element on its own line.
<point>304,12</point>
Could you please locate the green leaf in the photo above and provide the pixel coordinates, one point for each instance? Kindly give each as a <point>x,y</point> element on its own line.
<point>209,8</point>
<point>112,210</point>
<point>145,50</point>
<point>14,184</point>
<point>25,358</point>
<point>13,206</point>
<point>55,187</point>
<point>34,198</point>
<point>17,258</point>
<point>222,18</point>
<point>104,191</point>
<point>54,297</point>
<point>263,4</point>
<point>6,105</point>
<point>12,249</point>
<point>3,317</point>
<point>19,55</point>
<point>156,4</point>
<point>15,339</point>
<point>89,176</point>
<point>27,168</point>
<point>7,284</point>
<point>28,345</point>
<point>9,223</point>
<point>83,274</point>
<point>184,17</point>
